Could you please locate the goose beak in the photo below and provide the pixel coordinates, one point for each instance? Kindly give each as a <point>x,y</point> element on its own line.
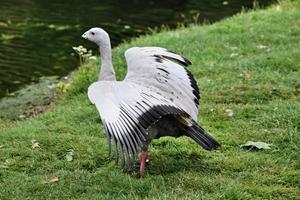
<point>84,36</point>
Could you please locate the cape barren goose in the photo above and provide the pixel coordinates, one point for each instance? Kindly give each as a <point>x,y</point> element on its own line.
<point>158,97</point>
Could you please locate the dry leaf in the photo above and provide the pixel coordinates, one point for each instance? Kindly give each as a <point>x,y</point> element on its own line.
<point>53,180</point>
<point>261,46</point>
<point>247,76</point>
<point>256,145</point>
<point>233,55</point>
<point>34,144</point>
<point>22,116</point>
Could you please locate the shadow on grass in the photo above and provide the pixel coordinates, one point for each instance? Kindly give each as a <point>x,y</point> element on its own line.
<point>164,162</point>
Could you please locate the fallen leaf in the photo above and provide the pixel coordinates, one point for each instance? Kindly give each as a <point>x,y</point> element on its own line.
<point>245,75</point>
<point>256,145</point>
<point>22,116</point>
<point>53,180</point>
<point>261,46</point>
<point>34,144</point>
<point>233,55</point>
<point>229,112</point>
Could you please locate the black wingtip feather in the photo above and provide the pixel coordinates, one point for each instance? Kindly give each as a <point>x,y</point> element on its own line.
<point>201,137</point>
<point>195,87</point>
<point>186,61</point>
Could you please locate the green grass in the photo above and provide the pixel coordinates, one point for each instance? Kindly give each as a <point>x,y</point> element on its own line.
<point>249,63</point>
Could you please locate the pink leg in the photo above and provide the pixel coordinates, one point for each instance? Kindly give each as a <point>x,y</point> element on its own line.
<point>143,158</point>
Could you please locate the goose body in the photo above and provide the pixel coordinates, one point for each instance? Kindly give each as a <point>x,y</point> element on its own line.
<point>158,97</point>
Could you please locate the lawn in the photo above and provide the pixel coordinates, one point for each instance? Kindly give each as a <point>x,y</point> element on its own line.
<point>248,64</point>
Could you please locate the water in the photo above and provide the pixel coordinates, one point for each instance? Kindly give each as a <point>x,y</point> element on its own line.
<point>36,36</point>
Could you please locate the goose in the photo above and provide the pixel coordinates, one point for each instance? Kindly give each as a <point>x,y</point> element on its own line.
<point>158,97</point>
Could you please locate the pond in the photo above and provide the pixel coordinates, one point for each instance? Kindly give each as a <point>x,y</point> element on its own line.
<point>36,36</point>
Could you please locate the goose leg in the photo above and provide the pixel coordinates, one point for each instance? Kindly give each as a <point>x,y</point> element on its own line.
<point>143,158</point>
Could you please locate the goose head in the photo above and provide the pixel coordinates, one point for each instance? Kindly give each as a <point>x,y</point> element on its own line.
<point>96,35</point>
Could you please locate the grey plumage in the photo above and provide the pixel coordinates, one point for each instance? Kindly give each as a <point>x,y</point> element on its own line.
<point>158,97</point>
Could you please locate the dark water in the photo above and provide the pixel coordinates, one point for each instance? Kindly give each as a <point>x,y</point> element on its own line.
<point>36,36</point>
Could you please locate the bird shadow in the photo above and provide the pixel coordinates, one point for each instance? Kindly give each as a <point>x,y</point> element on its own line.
<point>165,163</point>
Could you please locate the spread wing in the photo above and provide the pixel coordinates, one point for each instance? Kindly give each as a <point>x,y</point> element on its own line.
<point>127,110</point>
<point>166,73</point>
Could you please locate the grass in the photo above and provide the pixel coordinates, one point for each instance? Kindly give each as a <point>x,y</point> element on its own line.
<point>249,63</point>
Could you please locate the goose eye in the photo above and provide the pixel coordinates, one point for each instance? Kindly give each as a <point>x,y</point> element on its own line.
<point>92,33</point>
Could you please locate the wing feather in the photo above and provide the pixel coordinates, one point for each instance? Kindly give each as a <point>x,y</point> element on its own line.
<point>108,137</point>
<point>165,73</point>
<point>127,110</point>
<point>114,141</point>
<point>131,133</point>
